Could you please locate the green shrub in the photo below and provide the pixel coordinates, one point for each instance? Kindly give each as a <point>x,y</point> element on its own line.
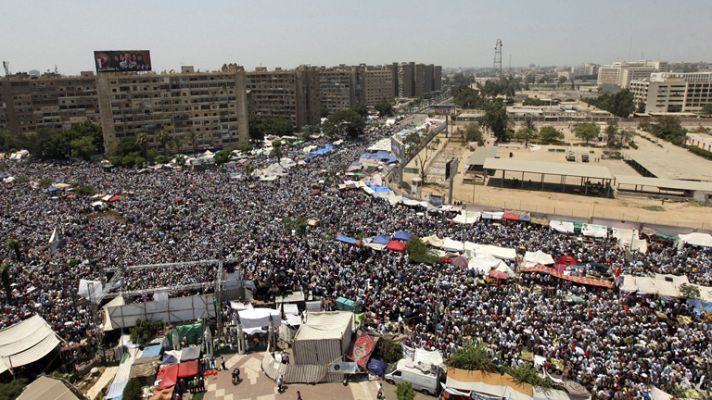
<point>404,391</point>
<point>700,152</point>
<point>472,358</point>
<point>145,331</point>
<point>388,351</point>
<point>133,390</point>
<point>11,390</point>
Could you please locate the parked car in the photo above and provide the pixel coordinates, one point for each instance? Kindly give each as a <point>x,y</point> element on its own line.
<point>424,381</point>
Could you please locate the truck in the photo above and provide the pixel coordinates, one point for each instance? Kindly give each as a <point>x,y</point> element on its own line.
<point>570,156</point>
<point>421,378</point>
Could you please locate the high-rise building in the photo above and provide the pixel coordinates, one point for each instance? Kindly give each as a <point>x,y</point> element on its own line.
<point>620,74</point>
<point>437,78</point>
<point>406,76</point>
<point>420,83</point>
<point>51,101</point>
<point>429,78</point>
<point>380,84</point>
<point>396,85</point>
<point>672,92</point>
<point>200,110</point>
<point>289,94</point>
<point>341,88</point>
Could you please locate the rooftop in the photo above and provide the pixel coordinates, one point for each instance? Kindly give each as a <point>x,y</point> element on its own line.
<point>549,168</point>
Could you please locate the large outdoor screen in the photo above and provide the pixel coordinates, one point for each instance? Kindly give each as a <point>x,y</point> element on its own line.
<point>122,60</point>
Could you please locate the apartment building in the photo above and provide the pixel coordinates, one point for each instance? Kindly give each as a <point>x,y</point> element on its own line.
<point>29,103</point>
<point>292,94</point>
<point>202,110</point>
<point>341,88</point>
<point>420,81</point>
<point>406,82</point>
<point>620,74</point>
<point>437,78</point>
<point>380,83</point>
<point>671,92</point>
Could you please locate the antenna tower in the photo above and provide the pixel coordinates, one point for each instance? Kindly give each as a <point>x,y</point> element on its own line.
<point>498,57</point>
<point>6,66</point>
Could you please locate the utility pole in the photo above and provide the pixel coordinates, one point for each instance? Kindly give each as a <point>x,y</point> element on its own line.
<point>497,64</point>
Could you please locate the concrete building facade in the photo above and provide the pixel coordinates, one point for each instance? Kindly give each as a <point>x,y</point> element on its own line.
<point>202,110</point>
<point>620,74</point>
<point>670,92</point>
<point>406,82</point>
<point>380,84</point>
<point>420,81</point>
<point>437,78</point>
<point>341,88</point>
<point>293,95</point>
<point>51,101</point>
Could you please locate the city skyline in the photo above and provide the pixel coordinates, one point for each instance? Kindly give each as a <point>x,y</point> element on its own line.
<point>287,34</point>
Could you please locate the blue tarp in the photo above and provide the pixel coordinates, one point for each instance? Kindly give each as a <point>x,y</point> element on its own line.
<point>346,239</point>
<point>402,235</point>
<point>325,149</point>
<point>381,155</point>
<point>378,367</point>
<point>51,189</point>
<point>700,306</point>
<point>169,359</point>
<point>151,351</point>
<point>381,239</point>
<point>380,189</point>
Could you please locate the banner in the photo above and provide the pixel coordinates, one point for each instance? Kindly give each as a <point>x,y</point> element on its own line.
<point>363,348</point>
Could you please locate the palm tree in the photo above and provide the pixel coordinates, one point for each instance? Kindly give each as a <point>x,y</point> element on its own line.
<point>14,245</point>
<point>193,140</point>
<point>164,136</point>
<point>142,142</point>
<point>5,277</point>
<point>527,132</point>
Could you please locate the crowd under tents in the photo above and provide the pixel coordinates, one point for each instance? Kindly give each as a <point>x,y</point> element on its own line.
<point>538,257</point>
<point>562,226</point>
<point>467,217</point>
<point>26,342</point>
<point>630,238</point>
<point>583,280</point>
<point>255,319</point>
<point>320,151</point>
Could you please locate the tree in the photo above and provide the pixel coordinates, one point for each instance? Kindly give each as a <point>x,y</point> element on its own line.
<point>419,252</point>
<point>133,390</point>
<point>6,281</point>
<point>388,351</point>
<point>548,135</point>
<point>669,128</point>
<point>404,391</point>
<point>562,80</point>
<point>14,245</point>
<point>145,331</point>
<point>472,358</point>
<point>412,140</point>
<point>361,109</point>
<point>222,156</point>
<point>277,150</point>
<point>612,134</point>
<point>527,132</point>
<point>620,104</point>
<point>164,137</point>
<point>586,131</point>
<point>473,133</point>
<point>384,108</point>
<point>526,373</point>
<point>707,109</point>
<point>193,137</point>
<point>142,143</point>
<point>421,161</point>
<point>496,120</point>
<point>83,147</point>
<point>345,123</point>
<point>12,389</point>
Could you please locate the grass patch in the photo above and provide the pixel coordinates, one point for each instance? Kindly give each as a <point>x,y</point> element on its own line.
<point>654,208</point>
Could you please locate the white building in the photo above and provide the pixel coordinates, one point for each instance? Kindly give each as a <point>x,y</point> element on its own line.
<point>701,141</point>
<point>672,92</point>
<point>622,73</point>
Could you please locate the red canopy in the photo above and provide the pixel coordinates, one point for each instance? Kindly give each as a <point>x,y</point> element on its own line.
<point>576,279</point>
<point>188,369</point>
<point>114,198</point>
<point>168,375</point>
<point>395,245</point>
<point>498,275</point>
<point>567,261</point>
<point>459,261</point>
<point>510,216</point>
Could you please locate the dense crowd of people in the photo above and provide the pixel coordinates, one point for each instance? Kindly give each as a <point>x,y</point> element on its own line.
<point>607,341</point>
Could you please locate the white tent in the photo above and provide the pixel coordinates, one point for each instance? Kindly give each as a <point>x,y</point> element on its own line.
<point>26,342</point>
<point>504,253</point>
<point>483,264</point>
<point>629,238</point>
<point>467,217</point>
<point>494,215</point>
<point>696,239</point>
<point>453,244</point>
<point>593,230</point>
<point>660,284</point>
<point>381,145</point>
<point>433,240</point>
<point>91,290</point>
<point>537,258</point>
<point>323,337</point>
<point>253,320</point>
<point>562,226</point>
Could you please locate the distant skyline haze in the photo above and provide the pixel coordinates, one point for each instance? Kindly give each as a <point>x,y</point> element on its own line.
<point>39,34</point>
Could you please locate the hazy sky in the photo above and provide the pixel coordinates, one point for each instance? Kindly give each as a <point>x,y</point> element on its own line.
<point>38,34</point>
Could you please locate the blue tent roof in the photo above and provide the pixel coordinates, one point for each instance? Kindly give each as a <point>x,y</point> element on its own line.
<point>378,367</point>
<point>169,359</point>
<point>151,351</point>
<point>325,149</point>
<point>346,239</point>
<point>380,189</point>
<point>51,189</point>
<point>381,155</point>
<point>402,235</point>
<point>381,239</point>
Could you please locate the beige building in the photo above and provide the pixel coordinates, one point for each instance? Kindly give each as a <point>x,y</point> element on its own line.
<point>437,78</point>
<point>29,103</point>
<point>620,74</point>
<point>203,110</point>
<point>290,94</point>
<point>406,83</point>
<point>420,80</point>
<point>341,88</point>
<point>381,84</point>
<point>671,92</point>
